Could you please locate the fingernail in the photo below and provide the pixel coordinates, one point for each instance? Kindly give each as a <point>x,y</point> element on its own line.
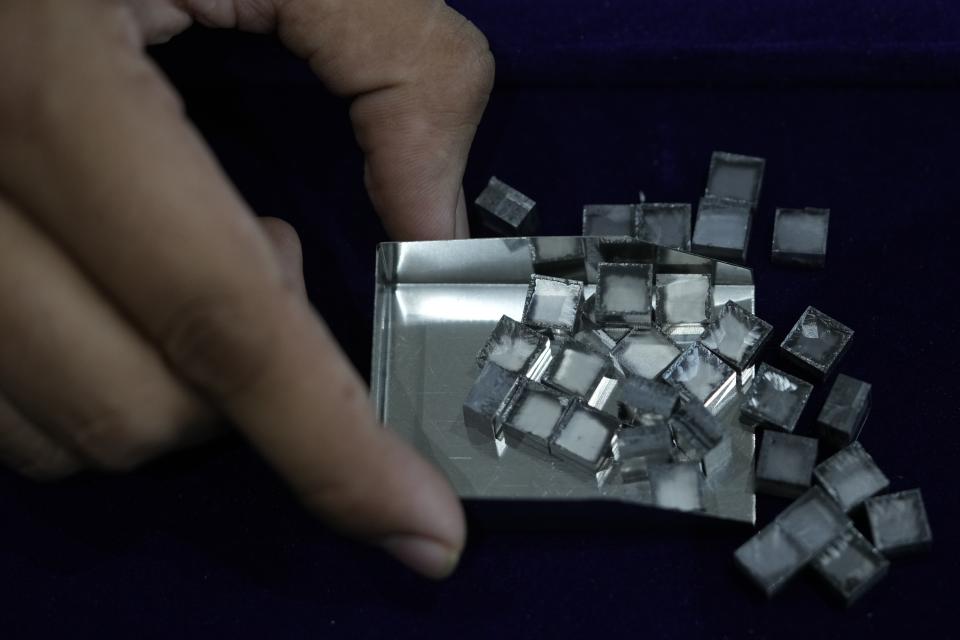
<point>424,555</point>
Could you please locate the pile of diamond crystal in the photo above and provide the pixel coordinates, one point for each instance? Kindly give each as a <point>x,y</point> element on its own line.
<point>627,378</point>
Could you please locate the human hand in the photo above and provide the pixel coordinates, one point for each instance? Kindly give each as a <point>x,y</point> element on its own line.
<point>139,296</point>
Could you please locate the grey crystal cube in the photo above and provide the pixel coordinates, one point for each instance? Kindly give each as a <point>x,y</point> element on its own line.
<point>645,353</point>
<point>800,236</point>
<point>684,301</point>
<point>722,229</point>
<point>596,339</point>
<point>677,486</point>
<point>813,521</point>
<point>553,303</point>
<point>584,436</point>
<point>736,335</point>
<point>785,464</point>
<point>898,522</point>
<point>643,400</point>
<point>532,415</point>
<point>736,176</point>
<point>653,442</point>
<point>618,220</point>
<point>817,342</point>
<point>696,431</point>
<point>490,392</point>
<point>845,410</point>
<point>775,399</point>
<point>703,375</point>
<point>851,566</point>
<point>770,558</point>
<point>850,476</point>
<point>624,294</point>
<point>665,224</point>
<point>575,370</point>
<point>512,346</point>
<point>505,210</point>
<point>562,250</point>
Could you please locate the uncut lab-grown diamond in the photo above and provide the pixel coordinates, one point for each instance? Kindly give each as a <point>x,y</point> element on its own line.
<point>850,476</point>
<point>490,393</point>
<point>817,342</point>
<point>553,303</point>
<point>898,522</point>
<point>677,486</point>
<point>770,558</point>
<point>699,435</point>
<point>736,176</point>
<point>575,370</point>
<point>846,409</point>
<point>644,401</point>
<point>851,566</point>
<point>505,210</point>
<point>800,236</point>
<point>684,301</point>
<point>565,251</point>
<point>703,375</point>
<point>618,220</point>
<point>722,229</point>
<point>776,399</point>
<point>813,521</point>
<point>785,464</point>
<point>624,294</point>
<point>511,346</point>
<point>645,353</point>
<point>665,224</point>
<point>584,436</point>
<point>532,415</point>
<point>736,335</point>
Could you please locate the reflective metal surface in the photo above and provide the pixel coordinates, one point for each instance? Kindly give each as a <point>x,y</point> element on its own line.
<point>436,305</point>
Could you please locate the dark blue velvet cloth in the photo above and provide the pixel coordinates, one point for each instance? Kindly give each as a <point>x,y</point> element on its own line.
<point>856,107</point>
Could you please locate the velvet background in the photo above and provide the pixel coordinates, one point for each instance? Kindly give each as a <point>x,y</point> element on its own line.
<point>855,108</point>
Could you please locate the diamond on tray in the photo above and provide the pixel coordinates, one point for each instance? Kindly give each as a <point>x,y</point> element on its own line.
<point>736,176</point>
<point>850,476</point>
<point>532,415</point>
<point>698,433</point>
<point>553,303</point>
<point>736,335</point>
<point>644,401</point>
<point>575,370</point>
<point>899,523</point>
<point>645,353</point>
<point>665,224</point>
<point>776,399</point>
<point>800,236</point>
<point>846,409</point>
<point>785,464</point>
<point>851,566</point>
<point>723,228</point>
<point>511,346</point>
<point>619,220</point>
<point>817,342</point>
<point>703,375</point>
<point>584,436</point>
<point>677,486</point>
<point>559,251</point>
<point>505,210</point>
<point>624,294</point>
<point>489,393</point>
<point>684,301</point>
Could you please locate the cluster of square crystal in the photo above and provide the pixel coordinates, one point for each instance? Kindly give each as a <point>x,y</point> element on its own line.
<point>661,223</point>
<point>725,212</point>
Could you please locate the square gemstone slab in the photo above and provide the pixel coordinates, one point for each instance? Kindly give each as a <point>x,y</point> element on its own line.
<point>770,558</point>
<point>505,210</point>
<point>813,521</point>
<point>703,375</point>
<point>677,486</point>
<point>785,464</point>
<point>817,342</point>
<point>800,236</point>
<point>736,176</point>
<point>846,409</point>
<point>566,250</point>
<point>851,566</point>
<point>553,303</point>
<point>624,294</point>
<point>575,370</point>
<point>532,415</point>
<point>698,433</point>
<point>511,346</point>
<point>645,401</point>
<point>899,523</point>
<point>736,335</point>
<point>684,300</point>
<point>776,399</point>
<point>645,353</point>
<point>653,444</point>
<point>665,224</point>
<point>618,220</point>
<point>584,436</point>
<point>722,229</point>
<point>850,476</point>
<point>490,392</point>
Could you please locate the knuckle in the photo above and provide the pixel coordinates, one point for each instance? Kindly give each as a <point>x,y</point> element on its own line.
<point>470,60</point>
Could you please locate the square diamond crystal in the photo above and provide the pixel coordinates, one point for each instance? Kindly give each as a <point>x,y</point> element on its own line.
<point>624,294</point>
<point>703,375</point>
<point>736,335</point>
<point>736,176</point>
<point>851,566</point>
<point>512,346</point>
<point>645,353</point>
<point>813,521</point>
<point>640,448</point>
<point>505,210</point>
<point>665,224</point>
<point>553,303</point>
<point>770,558</point>
<point>698,433</point>
<point>817,342</point>
<point>575,370</point>
<point>646,402</point>
<point>785,464</point>
<point>684,302</point>
<point>723,229</point>
<point>565,250</point>
<point>800,236</point>
<point>619,220</point>
<point>846,409</point>
<point>490,392</point>
<point>677,486</point>
<point>532,415</point>
<point>584,436</point>
<point>850,476</point>
<point>899,523</point>
<point>775,399</point>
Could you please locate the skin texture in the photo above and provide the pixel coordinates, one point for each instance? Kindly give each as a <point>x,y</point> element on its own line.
<point>142,300</point>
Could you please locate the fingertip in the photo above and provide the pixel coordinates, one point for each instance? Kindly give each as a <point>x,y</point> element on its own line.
<point>428,557</point>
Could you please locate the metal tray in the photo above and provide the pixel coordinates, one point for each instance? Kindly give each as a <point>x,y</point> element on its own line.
<point>436,304</point>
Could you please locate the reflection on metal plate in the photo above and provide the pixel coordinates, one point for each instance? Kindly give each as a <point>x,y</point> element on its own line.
<point>436,304</point>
